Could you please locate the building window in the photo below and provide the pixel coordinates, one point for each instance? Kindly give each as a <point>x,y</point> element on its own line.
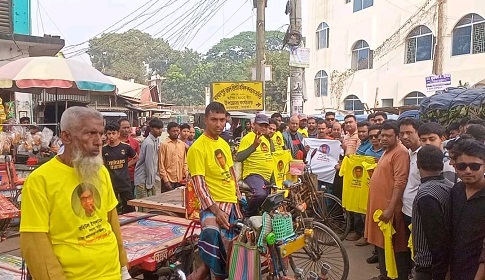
<point>469,35</point>
<point>414,98</point>
<point>322,36</point>
<point>361,56</point>
<point>362,4</point>
<point>389,102</point>
<point>353,103</point>
<point>321,84</point>
<point>419,45</point>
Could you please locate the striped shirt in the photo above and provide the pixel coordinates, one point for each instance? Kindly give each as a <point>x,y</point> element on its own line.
<point>206,200</point>
<point>431,224</point>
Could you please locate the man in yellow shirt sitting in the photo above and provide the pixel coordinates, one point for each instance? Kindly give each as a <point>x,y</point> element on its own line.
<point>258,164</point>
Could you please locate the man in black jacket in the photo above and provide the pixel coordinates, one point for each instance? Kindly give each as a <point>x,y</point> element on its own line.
<point>431,217</point>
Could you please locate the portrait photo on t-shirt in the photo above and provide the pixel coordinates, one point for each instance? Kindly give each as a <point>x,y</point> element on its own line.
<point>358,172</point>
<point>85,200</point>
<point>324,149</point>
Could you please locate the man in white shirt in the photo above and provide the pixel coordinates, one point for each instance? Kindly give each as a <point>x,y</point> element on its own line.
<point>432,133</point>
<point>408,133</point>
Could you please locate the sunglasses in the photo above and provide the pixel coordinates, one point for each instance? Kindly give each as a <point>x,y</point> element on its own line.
<point>374,136</point>
<point>473,166</point>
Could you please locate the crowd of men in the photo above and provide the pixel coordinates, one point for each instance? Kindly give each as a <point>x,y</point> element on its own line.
<point>428,176</point>
<point>436,186</point>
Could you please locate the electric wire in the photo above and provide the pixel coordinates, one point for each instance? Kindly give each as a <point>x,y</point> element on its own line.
<point>114,24</point>
<point>215,32</point>
<point>115,39</point>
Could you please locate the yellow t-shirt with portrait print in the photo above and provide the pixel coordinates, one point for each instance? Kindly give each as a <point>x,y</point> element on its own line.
<point>213,159</point>
<point>260,161</point>
<point>355,191</point>
<point>75,216</point>
<point>278,141</point>
<point>282,166</point>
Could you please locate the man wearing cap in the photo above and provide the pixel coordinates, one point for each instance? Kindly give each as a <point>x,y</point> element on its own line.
<point>294,139</point>
<point>302,125</point>
<point>255,154</point>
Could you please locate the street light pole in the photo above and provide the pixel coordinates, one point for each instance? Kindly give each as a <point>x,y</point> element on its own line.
<point>296,73</point>
<point>438,55</point>
<point>260,43</point>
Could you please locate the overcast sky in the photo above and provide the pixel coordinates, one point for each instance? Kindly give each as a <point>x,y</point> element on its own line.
<point>77,21</point>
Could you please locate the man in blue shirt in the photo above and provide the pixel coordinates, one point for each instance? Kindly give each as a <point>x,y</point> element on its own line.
<point>363,133</point>
<point>375,150</point>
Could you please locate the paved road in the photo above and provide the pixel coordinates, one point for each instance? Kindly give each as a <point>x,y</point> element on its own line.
<point>359,269</point>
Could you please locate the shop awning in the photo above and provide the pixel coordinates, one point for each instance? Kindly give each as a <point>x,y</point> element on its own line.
<point>131,90</point>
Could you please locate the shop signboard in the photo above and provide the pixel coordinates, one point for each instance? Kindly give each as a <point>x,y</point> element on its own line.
<point>438,82</point>
<point>239,96</point>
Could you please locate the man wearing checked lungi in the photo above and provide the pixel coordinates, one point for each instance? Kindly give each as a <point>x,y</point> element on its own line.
<point>211,168</point>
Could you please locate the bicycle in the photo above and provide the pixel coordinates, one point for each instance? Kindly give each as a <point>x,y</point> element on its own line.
<point>307,246</point>
<point>325,246</point>
<point>325,207</point>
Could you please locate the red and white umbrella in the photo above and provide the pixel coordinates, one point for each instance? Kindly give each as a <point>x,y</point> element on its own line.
<point>34,74</point>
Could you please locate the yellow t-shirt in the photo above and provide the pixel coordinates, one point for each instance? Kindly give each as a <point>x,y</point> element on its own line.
<point>303,132</point>
<point>213,159</point>
<point>75,216</point>
<point>355,191</point>
<point>368,170</point>
<point>278,141</point>
<point>282,167</point>
<point>260,161</point>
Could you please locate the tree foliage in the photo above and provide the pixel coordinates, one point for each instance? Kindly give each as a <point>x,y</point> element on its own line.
<point>137,55</point>
<point>126,55</point>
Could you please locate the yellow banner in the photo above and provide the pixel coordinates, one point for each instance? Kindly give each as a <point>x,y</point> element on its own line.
<point>239,96</point>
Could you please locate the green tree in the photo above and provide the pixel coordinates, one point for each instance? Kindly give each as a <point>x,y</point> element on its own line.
<point>126,55</point>
<point>243,46</point>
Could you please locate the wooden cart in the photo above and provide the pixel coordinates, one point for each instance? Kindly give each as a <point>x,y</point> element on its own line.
<point>171,202</point>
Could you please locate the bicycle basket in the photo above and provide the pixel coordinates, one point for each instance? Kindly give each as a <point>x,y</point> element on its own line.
<point>282,226</point>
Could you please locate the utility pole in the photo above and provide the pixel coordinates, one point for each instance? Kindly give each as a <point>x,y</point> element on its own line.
<point>296,73</point>
<point>260,42</point>
<point>438,55</point>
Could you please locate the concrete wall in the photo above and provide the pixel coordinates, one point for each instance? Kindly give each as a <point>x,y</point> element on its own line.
<point>390,74</point>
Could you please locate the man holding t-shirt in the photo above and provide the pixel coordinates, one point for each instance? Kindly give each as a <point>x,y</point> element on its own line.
<point>116,157</point>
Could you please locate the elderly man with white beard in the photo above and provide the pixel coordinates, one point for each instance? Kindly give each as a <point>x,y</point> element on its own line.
<point>69,227</point>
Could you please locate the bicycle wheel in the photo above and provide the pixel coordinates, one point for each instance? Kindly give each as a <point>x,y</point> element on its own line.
<point>329,211</point>
<point>324,248</point>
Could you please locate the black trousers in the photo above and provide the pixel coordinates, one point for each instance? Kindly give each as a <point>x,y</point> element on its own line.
<point>123,197</point>
<point>402,263</point>
<point>359,223</point>
<point>422,273</point>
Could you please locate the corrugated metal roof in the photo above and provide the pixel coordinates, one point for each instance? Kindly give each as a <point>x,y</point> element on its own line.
<point>109,109</point>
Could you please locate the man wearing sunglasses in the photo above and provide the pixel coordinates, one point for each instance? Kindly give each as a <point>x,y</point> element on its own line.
<point>468,209</point>
<point>375,150</point>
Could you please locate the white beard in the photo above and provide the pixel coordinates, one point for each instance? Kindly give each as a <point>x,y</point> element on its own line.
<point>87,167</point>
